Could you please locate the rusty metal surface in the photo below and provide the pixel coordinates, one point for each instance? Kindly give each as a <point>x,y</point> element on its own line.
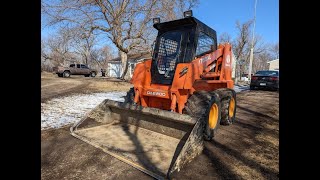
<point>192,147</point>
<point>151,150</point>
<point>154,141</point>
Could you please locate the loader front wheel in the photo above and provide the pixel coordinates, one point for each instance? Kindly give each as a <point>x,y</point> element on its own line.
<point>207,106</point>
<point>129,98</point>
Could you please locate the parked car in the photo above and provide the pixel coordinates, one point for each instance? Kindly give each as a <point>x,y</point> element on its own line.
<point>75,69</point>
<point>267,79</point>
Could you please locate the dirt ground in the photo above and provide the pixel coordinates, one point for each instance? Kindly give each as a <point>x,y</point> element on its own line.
<point>53,86</point>
<point>248,149</point>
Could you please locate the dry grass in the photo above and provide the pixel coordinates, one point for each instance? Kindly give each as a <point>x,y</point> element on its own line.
<point>105,86</point>
<point>53,86</point>
<point>47,75</point>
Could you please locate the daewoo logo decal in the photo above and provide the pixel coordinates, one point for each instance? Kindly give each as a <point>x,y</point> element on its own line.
<point>205,59</point>
<point>156,93</point>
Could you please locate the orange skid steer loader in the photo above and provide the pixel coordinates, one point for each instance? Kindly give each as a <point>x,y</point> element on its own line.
<point>180,97</point>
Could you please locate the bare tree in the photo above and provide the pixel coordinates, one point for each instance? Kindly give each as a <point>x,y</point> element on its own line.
<point>173,9</point>
<point>259,47</point>
<point>260,61</point>
<point>107,53</point>
<point>59,45</point>
<point>124,22</point>
<point>83,44</point>
<point>242,40</point>
<point>45,56</point>
<point>103,55</point>
<point>274,49</point>
<point>184,5</point>
<point>224,37</point>
<point>242,45</point>
<point>44,51</point>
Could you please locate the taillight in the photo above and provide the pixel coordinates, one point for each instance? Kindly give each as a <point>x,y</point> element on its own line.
<point>273,78</point>
<point>254,78</point>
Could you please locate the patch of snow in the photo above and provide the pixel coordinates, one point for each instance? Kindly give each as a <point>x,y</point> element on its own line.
<point>239,88</point>
<point>59,112</point>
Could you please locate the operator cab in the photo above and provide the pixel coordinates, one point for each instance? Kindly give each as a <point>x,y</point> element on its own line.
<point>179,41</point>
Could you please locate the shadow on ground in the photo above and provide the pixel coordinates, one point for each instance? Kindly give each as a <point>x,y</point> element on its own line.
<point>248,149</point>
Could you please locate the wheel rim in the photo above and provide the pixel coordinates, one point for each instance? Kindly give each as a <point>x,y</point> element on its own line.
<point>93,74</point>
<point>66,74</point>
<point>213,116</point>
<point>231,107</point>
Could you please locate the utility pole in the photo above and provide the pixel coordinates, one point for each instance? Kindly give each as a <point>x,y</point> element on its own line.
<point>251,50</point>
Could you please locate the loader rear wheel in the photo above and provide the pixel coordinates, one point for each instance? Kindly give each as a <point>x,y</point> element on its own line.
<point>232,108</point>
<point>207,106</point>
<point>228,105</point>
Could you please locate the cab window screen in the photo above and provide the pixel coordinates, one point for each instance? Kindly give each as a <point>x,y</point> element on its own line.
<point>204,43</point>
<point>168,52</point>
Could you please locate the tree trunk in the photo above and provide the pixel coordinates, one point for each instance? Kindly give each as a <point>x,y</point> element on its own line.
<point>87,56</point>
<point>86,60</point>
<point>124,64</point>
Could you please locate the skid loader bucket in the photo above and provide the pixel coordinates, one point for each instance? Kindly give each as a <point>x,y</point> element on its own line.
<point>157,142</point>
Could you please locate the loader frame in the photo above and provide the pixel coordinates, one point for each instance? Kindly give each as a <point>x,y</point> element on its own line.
<point>209,71</point>
<point>179,99</point>
<point>188,78</point>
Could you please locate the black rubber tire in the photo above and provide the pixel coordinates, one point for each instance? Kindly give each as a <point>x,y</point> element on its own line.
<point>129,98</point>
<point>60,75</point>
<point>66,74</point>
<point>225,95</point>
<point>251,87</point>
<point>198,105</point>
<point>87,75</point>
<point>93,74</point>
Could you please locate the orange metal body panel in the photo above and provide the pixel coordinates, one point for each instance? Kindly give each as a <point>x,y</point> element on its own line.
<point>197,77</point>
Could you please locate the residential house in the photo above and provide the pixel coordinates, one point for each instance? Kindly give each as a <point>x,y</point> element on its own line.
<point>114,68</point>
<point>274,64</point>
